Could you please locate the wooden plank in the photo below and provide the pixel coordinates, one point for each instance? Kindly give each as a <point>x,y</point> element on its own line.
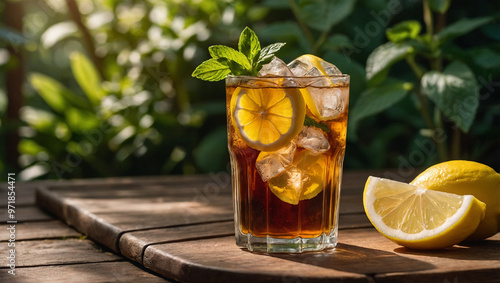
<point>27,214</point>
<point>133,244</point>
<point>104,212</point>
<point>25,190</point>
<point>89,272</point>
<point>219,260</point>
<point>25,194</point>
<point>38,230</point>
<point>51,252</point>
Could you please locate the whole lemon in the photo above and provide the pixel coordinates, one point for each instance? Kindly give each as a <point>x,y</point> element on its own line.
<point>467,178</point>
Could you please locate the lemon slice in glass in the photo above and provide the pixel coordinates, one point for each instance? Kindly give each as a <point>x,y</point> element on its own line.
<point>418,218</point>
<point>313,61</point>
<point>267,118</point>
<point>303,179</point>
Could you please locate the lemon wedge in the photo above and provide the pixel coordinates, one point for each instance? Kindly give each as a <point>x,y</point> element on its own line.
<point>267,118</point>
<point>302,180</point>
<point>464,177</point>
<point>418,218</point>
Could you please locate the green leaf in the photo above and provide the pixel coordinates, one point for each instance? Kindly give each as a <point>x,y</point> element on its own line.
<point>455,93</point>
<point>30,147</point>
<point>384,56</point>
<point>87,77</point>
<point>40,120</point>
<point>212,70</point>
<point>322,15</point>
<point>439,6</point>
<point>462,27</point>
<point>310,122</point>
<point>249,44</point>
<point>80,120</point>
<point>49,90</point>
<point>55,94</point>
<point>237,69</point>
<point>403,31</point>
<point>377,99</point>
<point>485,58</point>
<point>221,51</point>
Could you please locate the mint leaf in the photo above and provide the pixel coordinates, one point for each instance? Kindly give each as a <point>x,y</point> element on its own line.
<point>212,70</point>
<point>310,122</point>
<point>267,53</point>
<point>221,51</point>
<point>249,45</point>
<point>246,62</point>
<point>237,69</point>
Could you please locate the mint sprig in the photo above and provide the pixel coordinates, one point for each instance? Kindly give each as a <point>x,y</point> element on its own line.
<point>246,61</point>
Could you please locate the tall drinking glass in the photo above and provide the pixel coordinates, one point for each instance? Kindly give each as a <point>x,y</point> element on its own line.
<point>287,139</point>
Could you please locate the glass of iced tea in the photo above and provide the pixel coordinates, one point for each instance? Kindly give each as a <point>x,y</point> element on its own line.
<point>287,136</point>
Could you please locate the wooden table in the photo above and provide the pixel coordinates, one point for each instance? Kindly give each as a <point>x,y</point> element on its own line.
<point>181,228</point>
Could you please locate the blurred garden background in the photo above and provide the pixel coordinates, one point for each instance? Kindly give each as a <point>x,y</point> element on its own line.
<point>94,88</point>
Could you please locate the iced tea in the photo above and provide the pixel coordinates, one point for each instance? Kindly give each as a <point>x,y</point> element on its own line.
<point>287,143</point>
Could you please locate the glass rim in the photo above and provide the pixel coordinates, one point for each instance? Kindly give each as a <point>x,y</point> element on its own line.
<point>288,77</point>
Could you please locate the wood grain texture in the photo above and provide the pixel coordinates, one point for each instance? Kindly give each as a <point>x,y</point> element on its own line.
<point>26,214</point>
<point>52,252</point>
<point>132,244</point>
<point>89,272</point>
<point>105,211</point>
<point>39,230</point>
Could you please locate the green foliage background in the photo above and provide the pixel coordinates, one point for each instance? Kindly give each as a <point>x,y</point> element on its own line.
<point>123,103</point>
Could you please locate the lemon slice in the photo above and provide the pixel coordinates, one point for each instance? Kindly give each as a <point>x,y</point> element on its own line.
<point>267,118</point>
<point>314,61</point>
<point>303,179</point>
<point>418,218</point>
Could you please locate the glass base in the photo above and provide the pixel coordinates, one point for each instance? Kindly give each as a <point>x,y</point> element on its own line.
<point>295,245</point>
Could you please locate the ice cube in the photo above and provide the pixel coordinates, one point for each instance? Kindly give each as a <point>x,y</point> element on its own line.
<point>318,81</point>
<point>314,72</point>
<point>299,67</point>
<point>302,66</point>
<point>330,102</point>
<point>275,68</point>
<point>330,69</point>
<point>313,139</point>
<point>271,164</point>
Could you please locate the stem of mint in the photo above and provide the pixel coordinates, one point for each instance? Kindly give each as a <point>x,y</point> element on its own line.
<point>246,61</point>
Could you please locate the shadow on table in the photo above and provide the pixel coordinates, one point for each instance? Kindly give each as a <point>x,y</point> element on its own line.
<point>356,259</point>
<point>481,250</point>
